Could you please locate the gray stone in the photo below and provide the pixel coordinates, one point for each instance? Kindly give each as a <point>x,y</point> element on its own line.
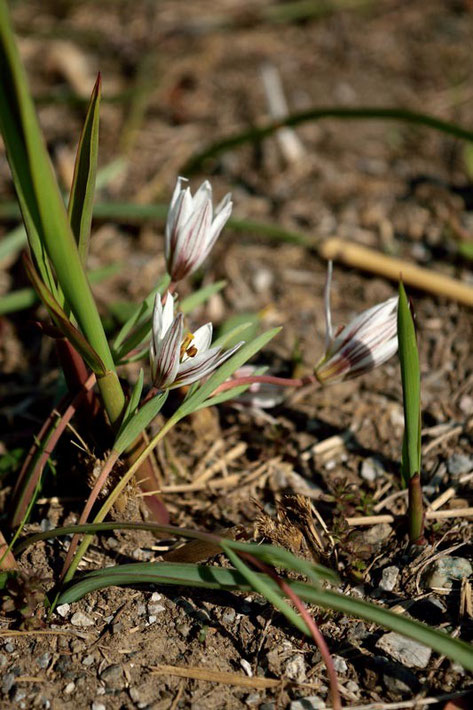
<point>459,464</point>
<point>253,699</point>
<point>295,668</point>
<point>408,652</point>
<point>311,702</point>
<point>81,619</point>
<point>88,660</point>
<point>444,571</point>
<point>229,616</point>
<point>389,578</point>
<point>3,660</point>
<point>377,534</point>
<point>134,694</point>
<point>155,608</point>
<point>113,677</point>
<point>43,660</point>
<point>70,687</point>
<point>371,469</point>
<point>63,610</point>
<point>339,664</point>
<point>8,681</point>
<point>98,706</point>
<point>9,647</point>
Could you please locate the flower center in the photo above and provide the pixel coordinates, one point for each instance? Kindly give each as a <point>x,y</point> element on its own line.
<point>187,348</point>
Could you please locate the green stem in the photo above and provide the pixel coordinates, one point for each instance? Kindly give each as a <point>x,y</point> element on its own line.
<point>294,119</point>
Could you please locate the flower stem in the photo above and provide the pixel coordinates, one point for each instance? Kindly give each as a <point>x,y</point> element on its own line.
<point>266,379</point>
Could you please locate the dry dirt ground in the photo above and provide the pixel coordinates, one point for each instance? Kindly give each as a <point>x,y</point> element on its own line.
<point>176,76</point>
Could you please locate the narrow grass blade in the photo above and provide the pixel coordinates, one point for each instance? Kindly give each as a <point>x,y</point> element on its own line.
<point>316,114</point>
<point>43,208</point>
<point>138,422</point>
<point>261,584</point>
<point>81,199</point>
<point>232,579</point>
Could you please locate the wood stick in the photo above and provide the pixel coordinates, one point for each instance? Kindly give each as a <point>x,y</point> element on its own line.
<point>418,277</point>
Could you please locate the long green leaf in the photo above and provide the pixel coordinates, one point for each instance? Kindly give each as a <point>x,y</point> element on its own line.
<point>410,376</point>
<point>231,579</point>
<point>138,422</point>
<point>81,200</point>
<point>260,583</point>
<point>43,208</point>
<point>255,134</point>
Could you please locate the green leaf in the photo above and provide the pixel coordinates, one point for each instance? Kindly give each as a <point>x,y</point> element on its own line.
<point>208,577</point>
<point>138,422</point>
<point>141,319</point>
<point>62,322</point>
<point>260,583</point>
<point>410,376</point>
<point>43,208</point>
<point>192,402</point>
<point>133,402</point>
<point>81,200</point>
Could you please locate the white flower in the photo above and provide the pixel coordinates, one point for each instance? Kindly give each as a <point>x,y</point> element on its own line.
<point>368,341</point>
<point>192,229</point>
<point>178,360</point>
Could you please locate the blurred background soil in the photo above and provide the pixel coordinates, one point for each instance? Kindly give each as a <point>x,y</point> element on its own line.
<point>177,76</point>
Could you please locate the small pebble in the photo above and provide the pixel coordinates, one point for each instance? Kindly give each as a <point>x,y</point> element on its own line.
<point>371,469</point>
<point>156,597</point>
<point>459,464</point>
<point>134,694</point>
<point>113,677</point>
<point>310,702</point>
<point>88,660</point>
<point>442,573</point>
<point>408,652</point>
<point>46,525</point>
<point>295,668</point>
<point>253,699</point>
<point>389,578</point>
<point>63,610</point>
<point>228,616</point>
<point>43,660</point>
<point>152,619</point>
<point>9,647</point>
<point>70,687</point>
<point>155,608</point>
<point>8,681</point>
<point>81,619</point>
<point>3,660</point>
<point>246,667</point>
<point>339,664</point>
<point>98,706</point>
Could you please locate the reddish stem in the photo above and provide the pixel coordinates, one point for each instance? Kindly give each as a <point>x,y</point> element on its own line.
<point>267,380</point>
<point>311,624</point>
<point>99,484</point>
<point>33,479</point>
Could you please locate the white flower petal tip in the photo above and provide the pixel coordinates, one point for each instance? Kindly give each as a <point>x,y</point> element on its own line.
<point>365,343</point>
<point>192,228</point>
<point>178,358</point>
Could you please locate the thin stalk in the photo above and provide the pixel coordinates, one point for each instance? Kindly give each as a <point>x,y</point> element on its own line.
<point>266,379</point>
<point>117,491</point>
<point>311,624</point>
